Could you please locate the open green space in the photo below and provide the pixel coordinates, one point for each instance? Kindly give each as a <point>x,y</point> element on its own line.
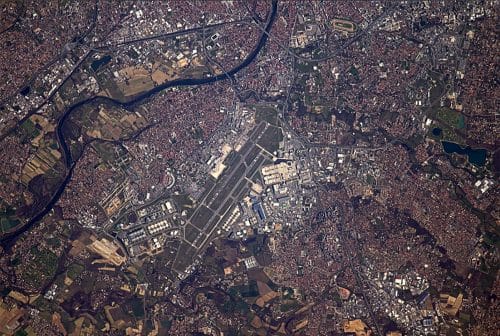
<point>106,151</point>
<point>370,179</point>
<point>8,218</point>
<point>353,71</point>
<point>239,187</point>
<point>448,121</point>
<point>28,131</point>
<point>136,307</point>
<point>108,84</point>
<point>250,290</point>
<point>74,270</point>
<point>166,324</point>
<point>232,306</point>
<point>271,138</point>
<point>252,155</point>
<point>289,305</point>
<point>191,233</point>
<point>184,203</point>
<point>254,135</point>
<point>54,242</point>
<point>226,206</point>
<point>345,25</point>
<point>436,92</point>
<point>448,134</point>
<point>304,66</point>
<point>8,223</point>
<point>40,268</point>
<point>100,63</point>
<point>185,256</point>
<point>266,113</point>
<point>255,167</point>
<point>21,332</point>
<point>201,217</point>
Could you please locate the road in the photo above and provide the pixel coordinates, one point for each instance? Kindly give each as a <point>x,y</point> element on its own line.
<point>168,35</point>
<point>344,239</point>
<point>9,239</point>
<point>342,47</point>
<point>219,199</point>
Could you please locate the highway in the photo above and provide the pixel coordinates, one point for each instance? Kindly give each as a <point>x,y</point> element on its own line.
<point>168,34</point>
<point>342,47</point>
<point>10,238</point>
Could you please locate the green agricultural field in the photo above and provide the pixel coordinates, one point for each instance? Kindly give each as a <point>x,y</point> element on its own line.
<point>245,291</point>
<point>8,219</point>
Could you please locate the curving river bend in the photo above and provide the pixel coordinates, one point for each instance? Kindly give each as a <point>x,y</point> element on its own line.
<point>8,240</point>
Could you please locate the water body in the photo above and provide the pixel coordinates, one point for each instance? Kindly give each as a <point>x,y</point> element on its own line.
<point>437,131</point>
<point>25,91</point>
<point>100,62</point>
<point>9,240</point>
<point>475,156</point>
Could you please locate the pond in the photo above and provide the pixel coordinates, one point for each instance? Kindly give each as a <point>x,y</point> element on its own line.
<point>437,131</point>
<point>100,62</point>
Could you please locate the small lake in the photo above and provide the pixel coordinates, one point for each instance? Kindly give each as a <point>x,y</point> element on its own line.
<point>437,131</point>
<point>25,91</point>
<point>100,62</point>
<point>475,156</point>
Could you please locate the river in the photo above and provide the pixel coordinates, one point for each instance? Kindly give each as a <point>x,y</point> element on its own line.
<point>8,240</point>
